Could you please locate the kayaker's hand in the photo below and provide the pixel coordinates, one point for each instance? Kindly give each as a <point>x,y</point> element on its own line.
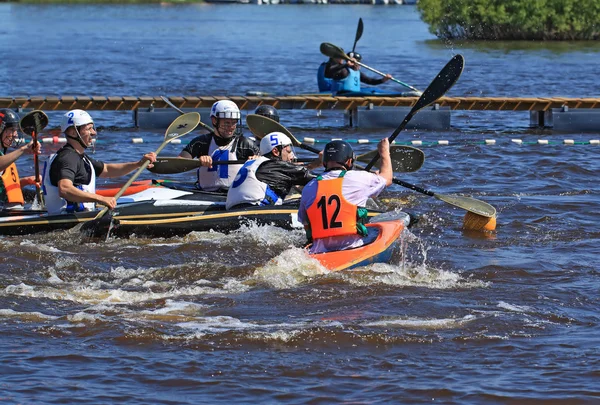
<point>383,147</point>
<point>30,149</point>
<point>150,157</point>
<point>386,78</point>
<point>205,161</point>
<point>110,202</point>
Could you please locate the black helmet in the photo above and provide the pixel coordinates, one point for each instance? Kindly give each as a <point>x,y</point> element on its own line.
<point>355,55</point>
<point>8,119</point>
<point>338,151</point>
<point>267,111</point>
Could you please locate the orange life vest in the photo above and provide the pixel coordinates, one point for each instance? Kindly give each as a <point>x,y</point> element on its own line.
<point>331,214</point>
<point>12,185</point>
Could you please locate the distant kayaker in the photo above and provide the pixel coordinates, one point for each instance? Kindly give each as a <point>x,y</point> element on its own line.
<point>225,143</point>
<point>11,195</point>
<point>347,77</point>
<point>331,207</point>
<point>69,179</point>
<point>269,178</point>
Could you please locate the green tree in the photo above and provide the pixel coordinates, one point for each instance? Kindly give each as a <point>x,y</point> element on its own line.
<point>512,19</point>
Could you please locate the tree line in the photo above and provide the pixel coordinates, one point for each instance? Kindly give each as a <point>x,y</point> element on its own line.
<point>512,19</point>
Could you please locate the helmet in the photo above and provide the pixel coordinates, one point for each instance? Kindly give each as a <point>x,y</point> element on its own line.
<point>267,111</point>
<point>225,109</point>
<point>75,118</point>
<point>338,151</point>
<point>8,119</point>
<point>355,55</point>
<point>273,140</point>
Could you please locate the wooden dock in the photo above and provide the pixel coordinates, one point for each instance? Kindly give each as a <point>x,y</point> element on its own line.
<point>315,102</point>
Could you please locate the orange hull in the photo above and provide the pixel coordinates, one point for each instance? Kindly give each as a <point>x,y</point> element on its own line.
<point>379,251</point>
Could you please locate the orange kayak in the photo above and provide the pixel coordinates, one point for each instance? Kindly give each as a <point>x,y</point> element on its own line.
<point>378,251</point>
<point>135,187</point>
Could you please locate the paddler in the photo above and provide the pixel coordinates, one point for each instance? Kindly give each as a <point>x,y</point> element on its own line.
<point>11,195</point>
<point>267,179</point>
<point>332,205</point>
<point>348,77</point>
<point>225,143</point>
<point>69,180</point>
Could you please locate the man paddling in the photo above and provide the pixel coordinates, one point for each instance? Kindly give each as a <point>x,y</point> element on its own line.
<point>225,143</point>
<point>347,77</point>
<point>269,178</point>
<point>69,180</point>
<point>331,207</point>
<point>11,195</point>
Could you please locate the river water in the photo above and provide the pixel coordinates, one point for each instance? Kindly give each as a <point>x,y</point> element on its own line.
<point>509,317</point>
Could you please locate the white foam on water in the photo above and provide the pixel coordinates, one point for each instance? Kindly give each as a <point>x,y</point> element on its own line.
<point>85,317</point>
<point>223,324</point>
<point>515,308</point>
<point>271,235</point>
<point>42,247</point>
<point>418,323</point>
<point>26,316</point>
<point>289,269</point>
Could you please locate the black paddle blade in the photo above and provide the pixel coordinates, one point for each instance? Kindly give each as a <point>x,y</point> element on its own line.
<point>35,121</point>
<point>442,82</point>
<point>436,89</point>
<point>359,32</point>
<point>334,52</point>
<point>172,165</point>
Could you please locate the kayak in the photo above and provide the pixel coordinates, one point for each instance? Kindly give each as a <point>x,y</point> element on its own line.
<point>387,227</point>
<point>135,187</point>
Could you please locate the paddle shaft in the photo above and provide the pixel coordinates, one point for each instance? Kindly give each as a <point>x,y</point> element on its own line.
<point>408,86</point>
<point>180,111</point>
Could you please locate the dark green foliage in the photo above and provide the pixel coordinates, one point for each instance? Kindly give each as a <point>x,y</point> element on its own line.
<point>512,19</point>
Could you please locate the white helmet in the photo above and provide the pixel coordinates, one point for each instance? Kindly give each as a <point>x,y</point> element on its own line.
<point>225,109</point>
<point>272,140</point>
<point>75,118</point>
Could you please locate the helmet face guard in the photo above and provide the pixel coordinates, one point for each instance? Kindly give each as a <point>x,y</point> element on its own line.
<point>76,119</point>
<point>8,119</point>
<point>226,109</point>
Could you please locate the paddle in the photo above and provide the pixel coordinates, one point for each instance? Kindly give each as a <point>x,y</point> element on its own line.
<point>170,104</point>
<point>173,165</point>
<point>182,125</point>
<point>436,89</point>
<point>32,124</point>
<point>335,52</point>
<point>404,158</point>
<point>359,32</point>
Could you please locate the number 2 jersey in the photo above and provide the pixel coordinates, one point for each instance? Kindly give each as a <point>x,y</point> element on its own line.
<point>357,187</point>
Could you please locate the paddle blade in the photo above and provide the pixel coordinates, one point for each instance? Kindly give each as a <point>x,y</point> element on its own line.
<point>359,32</point>
<point>442,82</point>
<point>405,159</point>
<point>35,121</point>
<point>172,165</point>
<point>182,125</point>
<point>261,126</point>
<point>334,52</point>
<point>470,204</point>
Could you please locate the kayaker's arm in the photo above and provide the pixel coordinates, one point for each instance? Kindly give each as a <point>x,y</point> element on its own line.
<point>386,171</point>
<point>121,169</point>
<point>69,192</point>
<point>10,158</point>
